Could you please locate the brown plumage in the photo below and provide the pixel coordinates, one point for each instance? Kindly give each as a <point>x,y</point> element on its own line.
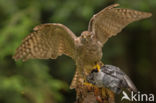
<point>52,40</point>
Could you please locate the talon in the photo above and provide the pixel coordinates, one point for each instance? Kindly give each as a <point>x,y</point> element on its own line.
<point>87,84</point>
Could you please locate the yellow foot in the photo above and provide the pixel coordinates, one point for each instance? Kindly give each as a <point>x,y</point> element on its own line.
<point>95,90</point>
<point>90,87</point>
<point>88,84</point>
<point>97,66</point>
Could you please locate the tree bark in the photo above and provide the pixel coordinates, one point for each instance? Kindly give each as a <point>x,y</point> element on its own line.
<point>93,94</point>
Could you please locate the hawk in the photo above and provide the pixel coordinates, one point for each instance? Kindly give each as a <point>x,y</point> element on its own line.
<point>48,41</point>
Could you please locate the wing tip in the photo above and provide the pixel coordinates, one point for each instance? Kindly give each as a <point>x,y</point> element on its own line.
<point>14,57</point>
<point>146,15</point>
<point>20,55</point>
<point>149,14</point>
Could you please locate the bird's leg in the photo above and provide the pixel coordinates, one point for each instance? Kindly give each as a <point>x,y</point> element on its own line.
<point>102,95</point>
<point>88,85</point>
<point>97,67</point>
<point>93,88</point>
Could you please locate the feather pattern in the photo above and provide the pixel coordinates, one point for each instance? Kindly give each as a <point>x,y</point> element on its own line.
<point>47,41</point>
<point>110,21</point>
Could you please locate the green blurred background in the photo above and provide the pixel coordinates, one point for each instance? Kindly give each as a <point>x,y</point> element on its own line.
<point>47,81</point>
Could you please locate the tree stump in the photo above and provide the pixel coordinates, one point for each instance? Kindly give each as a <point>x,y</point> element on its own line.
<point>93,94</point>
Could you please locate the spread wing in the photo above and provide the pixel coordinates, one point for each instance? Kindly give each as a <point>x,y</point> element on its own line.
<point>47,41</point>
<point>111,21</point>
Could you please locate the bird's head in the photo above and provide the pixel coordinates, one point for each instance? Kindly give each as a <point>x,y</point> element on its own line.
<point>86,37</point>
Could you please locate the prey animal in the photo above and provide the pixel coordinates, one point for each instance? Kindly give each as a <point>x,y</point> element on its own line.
<point>111,77</point>
<point>48,41</point>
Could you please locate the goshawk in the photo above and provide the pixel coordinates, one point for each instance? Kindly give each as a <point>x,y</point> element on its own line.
<point>48,41</point>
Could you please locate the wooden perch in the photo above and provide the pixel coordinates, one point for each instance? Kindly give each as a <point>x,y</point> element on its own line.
<point>94,94</point>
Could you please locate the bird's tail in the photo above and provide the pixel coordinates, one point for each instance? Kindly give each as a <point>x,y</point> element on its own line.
<point>73,83</point>
<point>76,79</point>
<point>131,85</point>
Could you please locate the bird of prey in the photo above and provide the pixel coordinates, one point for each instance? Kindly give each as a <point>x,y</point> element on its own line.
<point>111,77</point>
<point>48,41</point>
